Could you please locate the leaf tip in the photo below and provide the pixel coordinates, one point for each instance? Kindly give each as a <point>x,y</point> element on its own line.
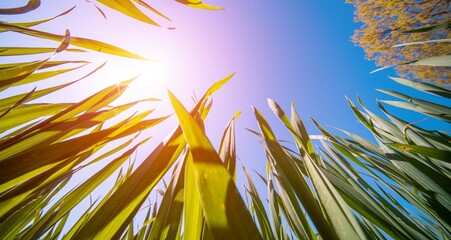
<point>237,114</point>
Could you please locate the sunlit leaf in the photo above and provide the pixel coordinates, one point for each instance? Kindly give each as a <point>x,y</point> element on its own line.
<point>260,211</point>
<point>224,210</point>
<point>65,43</point>
<point>342,219</point>
<point>128,8</point>
<point>15,51</point>
<point>12,75</point>
<point>199,4</point>
<point>8,102</point>
<point>192,211</point>
<point>25,113</point>
<point>112,216</point>
<point>295,179</point>
<point>425,87</point>
<point>38,76</point>
<point>76,41</point>
<point>75,196</point>
<point>144,4</point>
<point>168,220</point>
<point>439,154</point>
<point>34,23</point>
<point>227,149</point>
<point>41,132</point>
<point>48,64</point>
<point>438,61</point>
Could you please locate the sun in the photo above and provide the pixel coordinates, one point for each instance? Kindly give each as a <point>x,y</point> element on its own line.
<point>151,78</point>
<point>150,75</point>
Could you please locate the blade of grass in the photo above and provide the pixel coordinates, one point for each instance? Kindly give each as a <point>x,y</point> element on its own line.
<point>76,41</point>
<point>128,8</point>
<point>111,218</point>
<point>224,210</point>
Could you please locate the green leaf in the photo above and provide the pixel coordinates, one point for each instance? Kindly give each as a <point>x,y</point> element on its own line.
<point>168,219</point>
<point>30,160</point>
<point>44,130</point>
<point>439,154</point>
<point>225,211</point>
<point>16,51</point>
<point>289,203</point>
<point>337,211</point>
<point>198,4</point>
<point>357,192</point>
<point>192,211</point>
<point>76,41</point>
<point>76,195</point>
<point>25,113</point>
<point>111,218</point>
<point>44,75</point>
<point>261,214</point>
<point>13,75</point>
<point>10,228</point>
<point>144,4</point>
<point>34,23</point>
<point>288,169</point>
<point>18,103</point>
<point>274,202</point>
<point>425,87</point>
<point>128,8</point>
<point>418,108</point>
<point>10,101</point>
<point>438,61</point>
<point>48,64</point>
<point>227,149</point>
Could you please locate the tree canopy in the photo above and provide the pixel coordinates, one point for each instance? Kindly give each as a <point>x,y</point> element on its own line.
<point>386,23</point>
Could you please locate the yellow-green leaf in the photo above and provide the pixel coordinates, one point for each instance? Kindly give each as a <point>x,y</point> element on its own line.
<point>34,23</point>
<point>76,41</point>
<point>199,4</point>
<point>128,8</point>
<point>25,113</point>
<point>15,51</point>
<point>225,211</point>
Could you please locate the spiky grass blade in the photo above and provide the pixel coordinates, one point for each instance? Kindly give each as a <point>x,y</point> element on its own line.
<point>300,186</point>
<point>225,211</point>
<point>168,220</point>
<point>76,41</point>
<point>425,87</point>
<point>198,4</point>
<point>342,220</point>
<point>262,216</point>
<point>128,8</point>
<point>112,216</point>
<point>227,149</point>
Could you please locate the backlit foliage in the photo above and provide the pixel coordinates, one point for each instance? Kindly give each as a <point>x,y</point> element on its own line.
<point>347,188</point>
<point>384,24</point>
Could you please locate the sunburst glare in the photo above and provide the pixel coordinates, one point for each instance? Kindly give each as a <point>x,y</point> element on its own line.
<point>150,78</point>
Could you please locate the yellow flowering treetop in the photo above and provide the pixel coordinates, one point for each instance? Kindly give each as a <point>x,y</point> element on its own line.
<point>386,23</point>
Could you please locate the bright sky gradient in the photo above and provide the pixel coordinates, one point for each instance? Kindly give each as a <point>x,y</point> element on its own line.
<point>292,50</point>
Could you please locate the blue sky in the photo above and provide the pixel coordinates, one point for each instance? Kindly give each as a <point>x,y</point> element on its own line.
<point>292,50</point>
